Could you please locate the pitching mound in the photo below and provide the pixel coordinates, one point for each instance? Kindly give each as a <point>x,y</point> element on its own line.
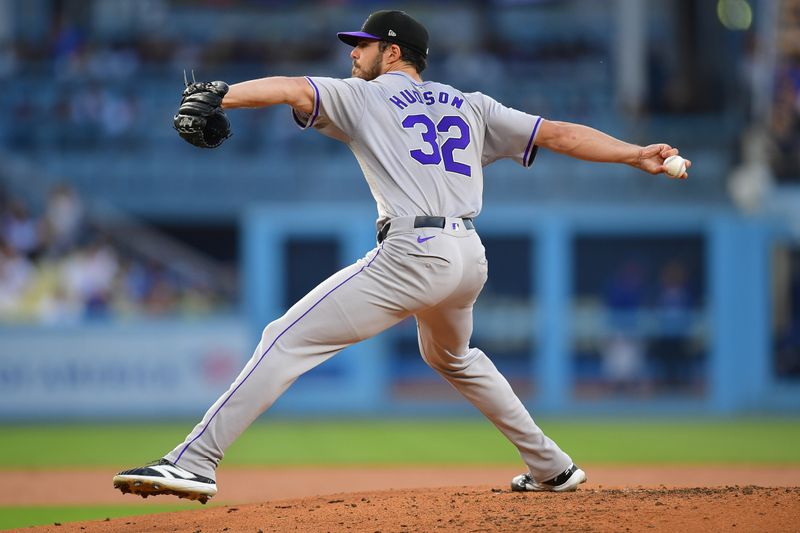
<point>487,508</point>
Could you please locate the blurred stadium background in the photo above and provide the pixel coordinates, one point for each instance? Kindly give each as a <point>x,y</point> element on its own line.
<point>136,271</point>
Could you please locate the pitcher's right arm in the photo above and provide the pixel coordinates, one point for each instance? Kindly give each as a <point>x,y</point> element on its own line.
<point>589,144</point>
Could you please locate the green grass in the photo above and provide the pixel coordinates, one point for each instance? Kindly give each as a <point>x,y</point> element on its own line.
<point>14,517</point>
<point>342,442</point>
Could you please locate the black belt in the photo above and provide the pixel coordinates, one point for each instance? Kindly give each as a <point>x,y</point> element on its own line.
<point>424,222</point>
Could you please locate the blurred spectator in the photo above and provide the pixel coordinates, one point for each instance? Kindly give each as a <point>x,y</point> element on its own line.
<point>162,297</point>
<point>63,220</point>
<point>625,295</point>
<point>20,230</point>
<point>751,181</point>
<point>671,350</point>
<point>16,271</point>
<point>133,285</point>
<point>51,303</point>
<point>623,352</point>
<point>623,362</point>
<point>88,276</point>
<point>198,300</point>
<point>55,269</point>
<point>68,49</point>
<point>673,300</point>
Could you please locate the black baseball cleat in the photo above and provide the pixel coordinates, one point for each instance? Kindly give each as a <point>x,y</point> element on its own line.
<point>164,477</point>
<point>566,481</point>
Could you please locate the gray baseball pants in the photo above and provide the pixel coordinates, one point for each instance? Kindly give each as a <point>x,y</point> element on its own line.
<point>431,273</point>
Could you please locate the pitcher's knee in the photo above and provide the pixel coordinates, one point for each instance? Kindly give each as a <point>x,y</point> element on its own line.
<point>446,362</point>
<point>271,333</point>
<point>444,367</point>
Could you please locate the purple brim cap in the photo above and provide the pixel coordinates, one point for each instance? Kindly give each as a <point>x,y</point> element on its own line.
<point>352,37</point>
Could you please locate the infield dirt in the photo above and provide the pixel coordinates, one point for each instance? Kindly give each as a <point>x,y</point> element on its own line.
<point>661,499</point>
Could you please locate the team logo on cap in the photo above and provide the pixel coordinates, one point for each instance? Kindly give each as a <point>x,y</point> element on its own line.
<point>392,33</point>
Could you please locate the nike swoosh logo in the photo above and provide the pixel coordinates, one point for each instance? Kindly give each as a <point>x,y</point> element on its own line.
<point>423,239</point>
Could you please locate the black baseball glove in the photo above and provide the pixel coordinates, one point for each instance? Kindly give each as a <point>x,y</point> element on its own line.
<point>200,119</point>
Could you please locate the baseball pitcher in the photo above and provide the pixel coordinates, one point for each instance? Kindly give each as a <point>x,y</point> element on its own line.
<point>422,146</point>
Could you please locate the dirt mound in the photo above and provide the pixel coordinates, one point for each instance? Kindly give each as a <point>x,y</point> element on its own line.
<point>263,484</point>
<point>486,508</point>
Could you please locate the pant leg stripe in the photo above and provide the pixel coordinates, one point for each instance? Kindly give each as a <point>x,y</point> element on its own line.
<point>267,351</point>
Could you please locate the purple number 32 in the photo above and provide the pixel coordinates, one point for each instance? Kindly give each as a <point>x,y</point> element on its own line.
<point>436,155</point>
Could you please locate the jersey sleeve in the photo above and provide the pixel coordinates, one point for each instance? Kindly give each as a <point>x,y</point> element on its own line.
<point>338,107</point>
<point>509,133</point>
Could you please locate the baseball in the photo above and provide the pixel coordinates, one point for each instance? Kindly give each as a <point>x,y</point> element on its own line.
<point>675,166</point>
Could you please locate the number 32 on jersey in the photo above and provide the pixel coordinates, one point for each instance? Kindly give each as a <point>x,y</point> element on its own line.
<point>435,154</point>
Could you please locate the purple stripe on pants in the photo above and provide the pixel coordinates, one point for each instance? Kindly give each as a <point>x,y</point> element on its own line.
<point>267,351</point>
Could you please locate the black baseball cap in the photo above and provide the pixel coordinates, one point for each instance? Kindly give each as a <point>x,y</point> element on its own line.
<point>393,26</point>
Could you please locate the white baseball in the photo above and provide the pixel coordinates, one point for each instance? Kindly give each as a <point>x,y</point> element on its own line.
<point>675,165</point>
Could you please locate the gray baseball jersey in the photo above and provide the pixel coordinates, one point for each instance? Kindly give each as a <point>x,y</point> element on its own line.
<point>421,147</point>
